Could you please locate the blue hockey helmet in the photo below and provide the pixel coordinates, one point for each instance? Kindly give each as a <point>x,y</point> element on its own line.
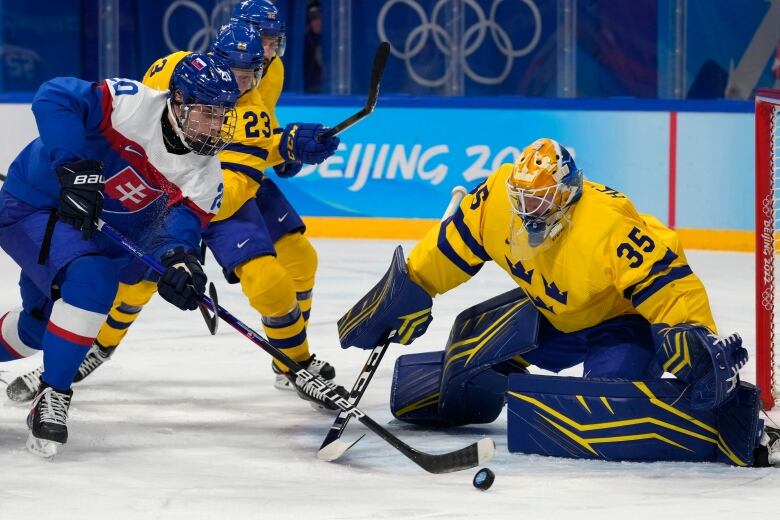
<point>265,18</point>
<point>202,99</point>
<point>240,48</point>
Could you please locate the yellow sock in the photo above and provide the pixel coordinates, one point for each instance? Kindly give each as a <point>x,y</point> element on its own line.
<point>299,258</point>
<point>270,291</point>
<point>129,301</point>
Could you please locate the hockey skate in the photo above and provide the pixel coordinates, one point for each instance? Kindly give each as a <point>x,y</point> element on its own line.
<point>772,445</point>
<point>24,387</point>
<point>96,356</point>
<point>47,422</point>
<point>316,391</point>
<point>312,365</point>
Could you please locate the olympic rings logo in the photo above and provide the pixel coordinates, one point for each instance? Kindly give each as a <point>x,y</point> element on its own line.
<point>473,38</point>
<point>199,41</point>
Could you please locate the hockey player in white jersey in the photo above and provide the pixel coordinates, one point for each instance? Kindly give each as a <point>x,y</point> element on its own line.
<point>141,160</point>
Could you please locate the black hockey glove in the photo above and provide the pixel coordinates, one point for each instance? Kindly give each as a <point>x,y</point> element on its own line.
<point>81,195</point>
<point>184,281</point>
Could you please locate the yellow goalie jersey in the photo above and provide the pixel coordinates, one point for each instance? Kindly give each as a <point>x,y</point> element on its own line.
<point>256,142</point>
<point>608,261</point>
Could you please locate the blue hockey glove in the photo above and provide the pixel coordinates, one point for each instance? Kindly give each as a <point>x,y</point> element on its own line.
<point>288,169</point>
<point>710,364</point>
<point>396,305</point>
<point>183,281</point>
<point>81,195</point>
<point>299,143</point>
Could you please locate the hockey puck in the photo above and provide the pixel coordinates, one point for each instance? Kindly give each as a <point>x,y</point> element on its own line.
<point>484,479</point>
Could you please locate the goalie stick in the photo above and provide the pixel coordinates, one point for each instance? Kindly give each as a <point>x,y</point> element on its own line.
<point>471,456</point>
<point>380,59</point>
<point>333,447</point>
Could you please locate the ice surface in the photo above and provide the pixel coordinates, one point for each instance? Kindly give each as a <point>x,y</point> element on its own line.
<point>180,424</point>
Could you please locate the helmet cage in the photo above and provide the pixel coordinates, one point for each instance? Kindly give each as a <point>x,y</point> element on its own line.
<point>257,75</point>
<point>205,129</point>
<point>279,41</point>
<point>542,209</point>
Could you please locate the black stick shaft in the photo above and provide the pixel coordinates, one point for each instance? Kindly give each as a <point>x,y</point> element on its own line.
<point>377,69</point>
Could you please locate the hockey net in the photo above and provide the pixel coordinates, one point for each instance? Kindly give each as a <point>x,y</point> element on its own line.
<point>767,240</point>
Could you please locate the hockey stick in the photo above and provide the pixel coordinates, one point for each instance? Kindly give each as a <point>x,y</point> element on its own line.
<point>464,458</point>
<point>333,447</point>
<point>380,59</point>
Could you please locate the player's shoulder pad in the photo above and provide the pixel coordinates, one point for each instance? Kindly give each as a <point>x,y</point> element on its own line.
<point>611,204</point>
<point>158,75</point>
<point>130,98</point>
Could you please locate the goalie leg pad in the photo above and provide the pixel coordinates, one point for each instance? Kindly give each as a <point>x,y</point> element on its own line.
<point>466,383</point>
<point>739,426</point>
<point>483,340</point>
<point>414,394</point>
<point>620,420</point>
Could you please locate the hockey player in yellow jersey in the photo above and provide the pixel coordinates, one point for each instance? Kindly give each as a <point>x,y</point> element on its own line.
<point>599,284</point>
<point>257,237</point>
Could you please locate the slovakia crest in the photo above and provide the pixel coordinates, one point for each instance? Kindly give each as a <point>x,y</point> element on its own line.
<point>130,190</point>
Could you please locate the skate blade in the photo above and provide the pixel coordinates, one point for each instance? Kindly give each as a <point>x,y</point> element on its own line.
<point>20,397</point>
<point>282,383</point>
<point>321,408</point>
<point>43,448</point>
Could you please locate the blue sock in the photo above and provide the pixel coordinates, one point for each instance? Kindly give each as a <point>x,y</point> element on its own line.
<point>88,288</point>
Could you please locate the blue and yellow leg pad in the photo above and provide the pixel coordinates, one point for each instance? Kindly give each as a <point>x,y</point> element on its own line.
<point>628,420</point>
<point>466,383</point>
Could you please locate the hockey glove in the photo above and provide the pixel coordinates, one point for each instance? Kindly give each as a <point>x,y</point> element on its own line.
<point>81,195</point>
<point>183,281</point>
<point>299,143</point>
<point>710,364</point>
<point>288,169</point>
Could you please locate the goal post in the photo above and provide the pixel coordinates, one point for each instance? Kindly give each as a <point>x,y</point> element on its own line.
<point>767,210</point>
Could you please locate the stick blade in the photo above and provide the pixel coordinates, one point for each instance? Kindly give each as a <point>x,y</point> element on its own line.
<point>209,312</point>
<point>335,449</point>
<point>486,449</point>
<point>469,457</point>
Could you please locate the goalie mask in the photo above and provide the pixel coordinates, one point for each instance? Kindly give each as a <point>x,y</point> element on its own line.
<point>202,100</point>
<point>542,187</point>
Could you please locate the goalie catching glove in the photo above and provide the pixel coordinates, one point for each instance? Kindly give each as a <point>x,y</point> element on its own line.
<point>710,364</point>
<point>183,281</point>
<point>395,306</point>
